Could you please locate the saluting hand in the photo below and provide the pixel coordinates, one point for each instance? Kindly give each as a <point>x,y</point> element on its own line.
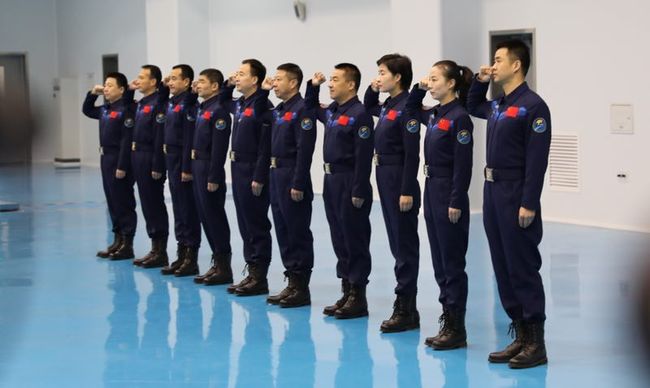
<point>424,83</point>
<point>120,174</point>
<point>133,85</point>
<point>454,215</point>
<point>231,79</point>
<point>195,84</point>
<point>526,217</point>
<point>267,84</point>
<point>318,79</point>
<point>374,85</point>
<point>165,81</point>
<point>97,90</point>
<point>485,73</point>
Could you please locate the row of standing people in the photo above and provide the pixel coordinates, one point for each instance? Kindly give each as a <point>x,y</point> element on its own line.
<point>271,152</point>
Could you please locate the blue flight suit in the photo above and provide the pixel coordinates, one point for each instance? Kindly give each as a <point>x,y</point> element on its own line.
<point>347,152</point>
<point>210,146</point>
<point>518,143</point>
<point>147,156</point>
<point>115,134</point>
<point>293,138</point>
<point>448,169</point>
<point>250,157</point>
<point>179,132</point>
<point>397,159</point>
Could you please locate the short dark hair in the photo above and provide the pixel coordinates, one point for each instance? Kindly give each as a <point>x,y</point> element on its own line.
<point>186,72</point>
<point>352,73</point>
<point>154,72</point>
<point>119,78</point>
<point>292,69</point>
<point>257,69</point>
<point>519,50</point>
<point>398,64</point>
<point>213,75</point>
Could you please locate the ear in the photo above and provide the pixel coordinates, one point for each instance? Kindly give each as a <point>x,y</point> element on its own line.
<point>516,66</point>
<point>215,86</point>
<point>398,78</point>
<point>293,83</point>
<point>255,79</point>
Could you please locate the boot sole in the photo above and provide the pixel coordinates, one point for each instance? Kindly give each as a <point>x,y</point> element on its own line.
<point>121,258</point>
<point>357,315</point>
<point>301,304</point>
<point>227,281</point>
<point>499,360</point>
<point>526,366</point>
<point>246,293</point>
<point>455,346</point>
<point>183,275</point>
<point>399,329</point>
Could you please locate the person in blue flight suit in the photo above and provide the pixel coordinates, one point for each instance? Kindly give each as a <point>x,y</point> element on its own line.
<point>115,134</point>
<point>347,193</point>
<point>148,162</point>
<point>518,142</point>
<point>210,145</point>
<point>250,162</point>
<point>397,158</point>
<point>293,134</point>
<point>448,169</point>
<point>178,134</point>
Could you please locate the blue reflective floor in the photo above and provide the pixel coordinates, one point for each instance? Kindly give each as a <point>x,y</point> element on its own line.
<point>68,319</point>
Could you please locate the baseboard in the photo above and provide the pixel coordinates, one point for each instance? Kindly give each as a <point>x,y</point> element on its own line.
<point>67,163</point>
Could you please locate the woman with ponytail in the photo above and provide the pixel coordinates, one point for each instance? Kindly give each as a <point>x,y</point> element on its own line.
<point>448,169</point>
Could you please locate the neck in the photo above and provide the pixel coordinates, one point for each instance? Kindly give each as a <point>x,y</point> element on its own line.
<point>290,96</point>
<point>447,99</point>
<point>181,92</point>
<point>210,96</point>
<point>113,100</point>
<point>396,91</point>
<point>343,99</point>
<point>147,93</point>
<point>512,84</point>
<point>250,92</point>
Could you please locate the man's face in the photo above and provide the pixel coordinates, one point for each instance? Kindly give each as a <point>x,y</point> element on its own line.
<point>205,88</point>
<point>177,84</point>
<point>244,81</point>
<point>284,84</point>
<point>112,92</point>
<point>146,83</point>
<point>339,84</point>
<point>504,66</point>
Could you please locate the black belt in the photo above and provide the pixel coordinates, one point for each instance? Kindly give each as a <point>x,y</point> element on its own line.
<point>387,159</point>
<point>172,149</point>
<point>135,146</point>
<point>438,172</point>
<point>282,162</point>
<point>200,155</point>
<point>503,174</point>
<point>108,150</point>
<point>243,157</point>
<point>334,168</point>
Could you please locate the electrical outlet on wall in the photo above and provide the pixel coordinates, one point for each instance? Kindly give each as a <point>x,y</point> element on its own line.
<point>621,117</point>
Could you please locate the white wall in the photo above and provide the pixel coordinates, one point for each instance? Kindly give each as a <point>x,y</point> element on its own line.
<point>86,31</point>
<point>29,27</point>
<point>591,54</point>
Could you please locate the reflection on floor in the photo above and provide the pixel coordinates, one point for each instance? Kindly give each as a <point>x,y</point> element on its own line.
<point>70,319</point>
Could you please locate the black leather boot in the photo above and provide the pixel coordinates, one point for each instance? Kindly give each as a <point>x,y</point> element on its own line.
<point>533,351</point>
<point>212,270</point>
<point>190,265</point>
<point>356,306</point>
<point>148,256</point>
<point>443,318</point>
<point>223,272</point>
<point>275,299</point>
<point>159,258</point>
<point>125,251</point>
<point>452,333</point>
<point>405,315</point>
<point>300,295</point>
<point>345,290</point>
<point>117,241</point>
<point>516,330</point>
<point>231,288</point>
<point>258,284</point>
<point>180,256</point>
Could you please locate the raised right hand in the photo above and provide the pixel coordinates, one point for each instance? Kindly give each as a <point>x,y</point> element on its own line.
<point>485,73</point>
<point>97,90</point>
<point>318,79</point>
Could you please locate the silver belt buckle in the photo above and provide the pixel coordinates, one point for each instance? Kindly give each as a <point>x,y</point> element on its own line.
<point>133,146</point>
<point>101,150</point>
<point>489,174</point>
<point>426,170</point>
<point>327,168</point>
<point>375,159</point>
<point>193,155</point>
<point>274,162</point>
<point>165,149</point>
<point>232,156</point>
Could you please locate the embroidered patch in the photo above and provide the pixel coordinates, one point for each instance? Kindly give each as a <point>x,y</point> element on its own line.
<point>146,109</point>
<point>444,124</point>
<point>464,137</point>
<point>248,112</point>
<point>220,124</point>
<point>392,115</point>
<point>160,118</point>
<point>206,115</point>
<point>364,132</point>
<point>343,120</point>
<point>412,126</point>
<point>539,125</point>
<point>306,124</point>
